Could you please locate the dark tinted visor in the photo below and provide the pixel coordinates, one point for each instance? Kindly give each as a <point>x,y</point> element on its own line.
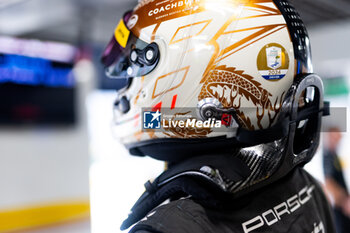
<point>126,56</point>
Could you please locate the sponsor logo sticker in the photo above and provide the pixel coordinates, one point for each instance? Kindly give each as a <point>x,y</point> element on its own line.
<point>132,21</point>
<point>122,33</point>
<point>185,122</point>
<point>273,62</point>
<point>152,120</point>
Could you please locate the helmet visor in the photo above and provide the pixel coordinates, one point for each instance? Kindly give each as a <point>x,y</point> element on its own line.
<point>126,55</point>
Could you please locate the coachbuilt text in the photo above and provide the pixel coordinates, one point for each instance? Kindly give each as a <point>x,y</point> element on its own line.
<point>171,6</point>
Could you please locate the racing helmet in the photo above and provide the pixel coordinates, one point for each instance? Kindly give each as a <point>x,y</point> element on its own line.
<point>244,63</point>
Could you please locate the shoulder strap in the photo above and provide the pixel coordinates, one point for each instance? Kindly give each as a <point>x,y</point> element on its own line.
<point>206,179</point>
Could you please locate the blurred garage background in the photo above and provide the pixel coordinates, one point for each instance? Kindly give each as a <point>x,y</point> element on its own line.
<point>56,169</point>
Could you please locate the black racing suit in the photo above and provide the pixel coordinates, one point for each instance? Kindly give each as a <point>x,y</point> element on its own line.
<point>294,204</point>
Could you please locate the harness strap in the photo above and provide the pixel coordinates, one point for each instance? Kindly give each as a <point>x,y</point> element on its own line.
<point>205,179</point>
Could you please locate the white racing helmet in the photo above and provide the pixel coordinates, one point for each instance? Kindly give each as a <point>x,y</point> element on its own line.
<point>244,63</point>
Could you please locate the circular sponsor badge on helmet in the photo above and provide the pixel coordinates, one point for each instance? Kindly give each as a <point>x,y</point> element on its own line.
<point>273,62</point>
<point>132,21</point>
